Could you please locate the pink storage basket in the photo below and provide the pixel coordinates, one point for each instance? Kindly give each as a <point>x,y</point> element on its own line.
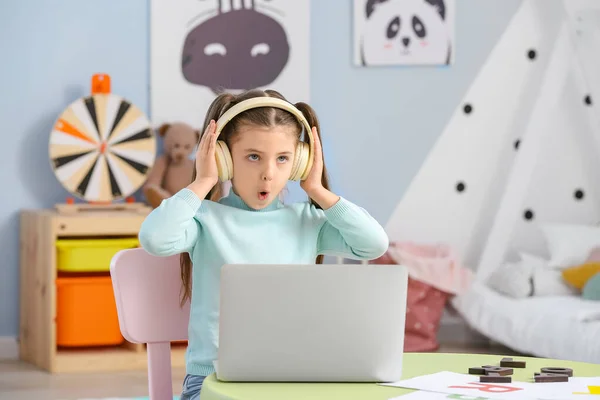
<point>434,275</point>
<point>435,264</point>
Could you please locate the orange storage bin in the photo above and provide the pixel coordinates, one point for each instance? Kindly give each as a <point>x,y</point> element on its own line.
<point>86,313</point>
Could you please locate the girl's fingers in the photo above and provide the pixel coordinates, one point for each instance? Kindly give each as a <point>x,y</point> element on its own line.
<point>207,137</point>
<point>317,143</point>
<point>212,139</point>
<point>202,141</point>
<point>214,133</point>
<point>200,145</point>
<point>212,143</point>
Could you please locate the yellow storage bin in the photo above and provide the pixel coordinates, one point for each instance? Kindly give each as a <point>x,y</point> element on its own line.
<point>89,255</point>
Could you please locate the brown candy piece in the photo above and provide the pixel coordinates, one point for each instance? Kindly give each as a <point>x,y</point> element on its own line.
<point>502,371</point>
<point>495,378</point>
<point>557,370</point>
<point>476,371</point>
<point>549,377</point>
<point>487,369</point>
<point>509,362</point>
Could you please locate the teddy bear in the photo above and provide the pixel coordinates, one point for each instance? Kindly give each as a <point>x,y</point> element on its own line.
<point>172,171</point>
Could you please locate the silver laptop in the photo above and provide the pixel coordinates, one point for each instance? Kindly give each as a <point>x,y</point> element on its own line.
<point>312,323</point>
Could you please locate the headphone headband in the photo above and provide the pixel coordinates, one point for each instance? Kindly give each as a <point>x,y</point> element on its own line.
<point>264,101</point>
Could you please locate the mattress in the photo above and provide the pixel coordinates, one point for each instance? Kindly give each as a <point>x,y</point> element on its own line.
<point>559,327</point>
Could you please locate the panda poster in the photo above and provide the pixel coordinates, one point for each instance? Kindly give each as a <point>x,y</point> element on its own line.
<point>403,32</point>
<point>199,48</point>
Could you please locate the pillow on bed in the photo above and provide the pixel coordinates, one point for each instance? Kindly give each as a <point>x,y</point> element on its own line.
<point>591,290</point>
<point>594,255</point>
<point>513,279</point>
<point>570,244</point>
<point>579,275</point>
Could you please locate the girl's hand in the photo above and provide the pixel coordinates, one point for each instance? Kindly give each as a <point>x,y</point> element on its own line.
<point>313,185</point>
<point>313,182</point>
<point>206,163</point>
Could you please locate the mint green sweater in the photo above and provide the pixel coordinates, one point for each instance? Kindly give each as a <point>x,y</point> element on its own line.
<point>230,232</point>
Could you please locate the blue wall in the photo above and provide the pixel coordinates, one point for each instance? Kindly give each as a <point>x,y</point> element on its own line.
<point>385,116</point>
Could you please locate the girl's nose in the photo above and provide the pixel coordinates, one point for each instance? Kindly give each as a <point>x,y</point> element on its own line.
<point>268,172</point>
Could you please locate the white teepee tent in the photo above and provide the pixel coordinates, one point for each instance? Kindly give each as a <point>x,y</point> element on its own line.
<point>523,147</point>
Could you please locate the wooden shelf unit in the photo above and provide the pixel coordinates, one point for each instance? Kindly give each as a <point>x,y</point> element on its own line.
<point>40,229</point>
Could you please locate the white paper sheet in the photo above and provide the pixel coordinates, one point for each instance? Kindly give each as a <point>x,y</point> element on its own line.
<point>579,388</point>
<point>423,395</point>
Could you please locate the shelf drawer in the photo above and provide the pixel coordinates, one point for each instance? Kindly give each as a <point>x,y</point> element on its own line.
<point>86,313</point>
<point>89,255</point>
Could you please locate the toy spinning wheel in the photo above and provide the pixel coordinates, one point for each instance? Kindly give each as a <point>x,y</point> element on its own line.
<point>102,146</point>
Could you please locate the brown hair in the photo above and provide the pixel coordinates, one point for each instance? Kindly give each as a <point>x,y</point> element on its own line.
<point>263,116</point>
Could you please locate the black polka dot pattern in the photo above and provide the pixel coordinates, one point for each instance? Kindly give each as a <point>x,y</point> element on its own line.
<point>468,108</point>
<point>460,187</point>
<point>531,54</point>
<point>528,214</point>
<point>579,194</point>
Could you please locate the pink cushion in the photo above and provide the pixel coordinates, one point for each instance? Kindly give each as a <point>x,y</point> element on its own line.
<point>435,264</point>
<point>424,307</point>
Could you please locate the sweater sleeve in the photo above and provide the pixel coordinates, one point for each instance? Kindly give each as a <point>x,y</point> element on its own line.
<point>351,232</point>
<point>171,227</point>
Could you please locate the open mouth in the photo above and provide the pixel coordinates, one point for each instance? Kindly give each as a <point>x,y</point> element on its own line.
<point>263,195</point>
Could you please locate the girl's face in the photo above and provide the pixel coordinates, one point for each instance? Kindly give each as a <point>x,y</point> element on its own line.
<point>262,162</point>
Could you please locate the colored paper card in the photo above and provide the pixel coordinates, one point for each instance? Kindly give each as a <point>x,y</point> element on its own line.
<point>580,388</point>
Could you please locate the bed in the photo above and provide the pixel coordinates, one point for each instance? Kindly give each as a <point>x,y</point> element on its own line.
<point>559,327</point>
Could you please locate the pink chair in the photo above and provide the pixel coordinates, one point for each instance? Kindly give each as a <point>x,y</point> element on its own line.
<point>147,292</point>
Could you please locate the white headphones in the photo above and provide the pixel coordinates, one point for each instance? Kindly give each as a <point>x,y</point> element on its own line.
<point>303,158</point>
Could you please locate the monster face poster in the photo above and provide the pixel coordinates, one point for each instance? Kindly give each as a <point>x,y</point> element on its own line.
<point>200,48</point>
<point>403,32</point>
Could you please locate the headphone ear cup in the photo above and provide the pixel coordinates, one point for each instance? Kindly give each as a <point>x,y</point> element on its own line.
<point>224,162</point>
<point>305,168</point>
<point>295,163</point>
<point>300,168</point>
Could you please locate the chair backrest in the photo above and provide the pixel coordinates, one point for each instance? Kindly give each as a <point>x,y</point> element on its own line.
<point>147,293</point>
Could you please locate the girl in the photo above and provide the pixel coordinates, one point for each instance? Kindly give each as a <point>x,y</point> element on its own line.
<point>250,224</point>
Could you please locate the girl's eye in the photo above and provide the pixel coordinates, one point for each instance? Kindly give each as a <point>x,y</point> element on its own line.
<point>283,158</point>
<point>253,157</point>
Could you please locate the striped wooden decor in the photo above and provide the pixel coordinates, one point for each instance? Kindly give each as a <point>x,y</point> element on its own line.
<point>102,148</point>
